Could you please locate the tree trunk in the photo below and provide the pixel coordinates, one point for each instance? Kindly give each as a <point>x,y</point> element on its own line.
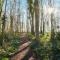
<point>3,26</point>
<point>32,25</point>
<point>37,19</point>
<point>1,5</point>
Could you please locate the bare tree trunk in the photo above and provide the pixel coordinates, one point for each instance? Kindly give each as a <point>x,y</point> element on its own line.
<point>18,24</point>
<point>18,17</point>
<point>37,19</point>
<point>11,17</point>
<point>3,26</point>
<point>1,6</point>
<point>42,22</point>
<point>4,18</point>
<point>31,11</point>
<point>14,15</point>
<point>32,25</point>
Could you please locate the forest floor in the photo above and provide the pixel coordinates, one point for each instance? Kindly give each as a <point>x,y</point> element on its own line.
<point>24,52</point>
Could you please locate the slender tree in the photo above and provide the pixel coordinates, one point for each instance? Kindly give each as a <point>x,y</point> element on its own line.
<point>3,24</point>
<point>42,19</point>
<point>11,17</point>
<point>37,18</point>
<point>18,17</point>
<point>50,3</point>
<point>14,15</point>
<point>31,10</point>
<point>1,5</point>
<point>4,18</point>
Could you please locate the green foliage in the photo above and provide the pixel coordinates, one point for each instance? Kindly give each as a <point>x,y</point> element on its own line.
<point>45,38</point>
<point>31,37</point>
<point>43,48</point>
<point>12,42</point>
<point>3,58</point>
<point>57,40</point>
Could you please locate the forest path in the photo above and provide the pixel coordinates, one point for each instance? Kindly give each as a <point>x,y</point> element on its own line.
<point>23,50</point>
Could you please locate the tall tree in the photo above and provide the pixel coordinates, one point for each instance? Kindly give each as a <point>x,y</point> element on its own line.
<point>50,3</point>
<point>31,10</point>
<point>1,6</point>
<point>42,18</point>
<point>37,18</point>
<point>4,18</point>
<point>11,17</point>
<point>18,17</point>
<point>3,24</point>
<point>14,15</point>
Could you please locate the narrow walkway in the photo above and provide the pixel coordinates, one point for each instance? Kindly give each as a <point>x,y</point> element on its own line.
<point>23,50</point>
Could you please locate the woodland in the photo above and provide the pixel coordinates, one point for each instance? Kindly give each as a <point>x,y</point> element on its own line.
<point>29,30</point>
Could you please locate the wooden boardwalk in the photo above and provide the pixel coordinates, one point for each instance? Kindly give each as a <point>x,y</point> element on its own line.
<point>23,50</point>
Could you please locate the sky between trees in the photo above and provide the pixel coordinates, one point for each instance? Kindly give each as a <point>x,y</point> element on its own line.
<point>24,7</point>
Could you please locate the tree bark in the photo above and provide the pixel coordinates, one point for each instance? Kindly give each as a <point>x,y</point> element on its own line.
<point>37,19</point>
